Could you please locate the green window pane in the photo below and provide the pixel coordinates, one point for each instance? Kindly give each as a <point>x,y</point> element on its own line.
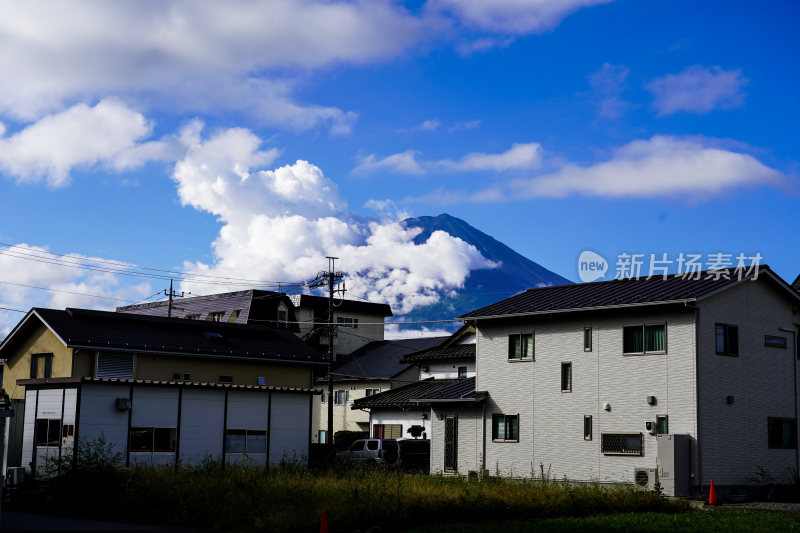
<point>514,347</point>
<point>632,339</point>
<point>527,345</point>
<point>655,338</point>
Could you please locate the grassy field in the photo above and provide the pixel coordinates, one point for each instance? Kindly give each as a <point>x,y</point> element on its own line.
<point>689,522</point>
<point>292,499</point>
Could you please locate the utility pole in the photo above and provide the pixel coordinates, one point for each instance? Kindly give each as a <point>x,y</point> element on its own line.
<point>332,278</point>
<point>171,295</point>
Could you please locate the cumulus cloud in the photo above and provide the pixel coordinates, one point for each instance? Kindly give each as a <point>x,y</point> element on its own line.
<point>659,166</point>
<point>26,268</point>
<point>280,224</point>
<point>512,16</point>
<point>519,156</point>
<point>698,90</point>
<point>108,133</point>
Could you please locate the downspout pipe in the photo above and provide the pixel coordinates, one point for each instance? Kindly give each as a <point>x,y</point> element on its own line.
<point>793,331</point>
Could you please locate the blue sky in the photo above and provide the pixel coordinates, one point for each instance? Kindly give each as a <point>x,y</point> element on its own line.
<point>248,140</point>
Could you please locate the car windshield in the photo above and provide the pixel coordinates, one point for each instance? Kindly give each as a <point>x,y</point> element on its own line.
<point>372,445</point>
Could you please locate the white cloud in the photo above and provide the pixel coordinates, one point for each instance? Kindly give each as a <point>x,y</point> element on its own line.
<point>108,133</point>
<point>280,224</point>
<point>430,125</point>
<point>195,54</point>
<point>698,90</point>
<point>657,167</point>
<point>512,16</point>
<point>68,286</point>
<point>519,156</point>
<point>466,125</point>
<point>608,84</point>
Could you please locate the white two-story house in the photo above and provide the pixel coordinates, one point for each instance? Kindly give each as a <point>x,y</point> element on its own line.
<point>693,379</point>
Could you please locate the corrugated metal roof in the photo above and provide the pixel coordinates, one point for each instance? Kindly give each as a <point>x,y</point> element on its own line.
<point>419,393</point>
<point>455,351</point>
<point>164,383</point>
<point>614,293</point>
<point>82,328</point>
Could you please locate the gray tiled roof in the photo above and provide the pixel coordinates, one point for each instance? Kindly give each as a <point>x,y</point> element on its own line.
<point>455,351</point>
<point>380,359</point>
<point>148,334</point>
<point>604,294</point>
<point>421,393</point>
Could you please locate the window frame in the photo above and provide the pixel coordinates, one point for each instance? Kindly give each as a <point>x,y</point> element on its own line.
<point>587,336</point>
<point>43,438</point>
<point>371,391</point>
<point>566,365</point>
<point>771,444</point>
<point>770,342</point>
<point>726,339</point>
<point>152,431</point>
<point>519,335</point>
<point>246,432</point>
<point>215,316</point>
<point>460,373</point>
<point>336,396</point>
<point>587,435</point>
<point>644,327</point>
<point>225,378</point>
<point>347,322</point>
<point>192,317</point>
<point>506,418</point>
<point>47,370</point>
<point>665,418</point>
<point>620,434</point>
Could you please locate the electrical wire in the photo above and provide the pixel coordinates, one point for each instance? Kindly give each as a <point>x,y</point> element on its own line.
<point>65,291</point>
<point>15,310</point>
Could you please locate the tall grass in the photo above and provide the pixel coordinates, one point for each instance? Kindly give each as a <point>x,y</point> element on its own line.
<point>289,498</point>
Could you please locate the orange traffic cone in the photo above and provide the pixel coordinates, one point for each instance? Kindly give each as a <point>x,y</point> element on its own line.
<point>712,494</point>
<point>323,525</point>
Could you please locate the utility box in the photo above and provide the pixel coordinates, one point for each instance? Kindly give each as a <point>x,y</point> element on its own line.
<point>674,453</point>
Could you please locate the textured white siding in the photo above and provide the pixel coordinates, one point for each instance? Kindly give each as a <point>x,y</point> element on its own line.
<point>202,418</point>
<point>99,415</point>
<point>70,405</point>
<point>50,401</point>
<point>27,428</point>
<point>551,421</point>
<point>733,437</point>
<point>289,428</point>
<point>469,438</point>
<point>448,370</point>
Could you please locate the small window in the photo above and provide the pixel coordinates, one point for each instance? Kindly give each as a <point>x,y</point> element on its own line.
<point>216,316</point>
<point>176,376</point>
<point>245,441</point>
<point>462,371</point>
<point>373,392</point>
<point>234,315</point>
<point>644,339</point>
<point>622,443</point>
<point>566,377</point>
<point>587,339</point>
<point>340,397</point>
<point>727,339</point>
<point>47,431</point>
<point>347,322</point>
<point>773,341</point>
<point>520,346</point>
<point>149,439</point>
<point>261,381</point>
<point>782,432</point>
<point>187,376</point>
<point>283,316</point>
<point>505,428</point>
<point>41,365</point>
<point>587,427</point>
<point>323,436</point>
<point>662,425</point>
<point>322,397</point>
<point>192,317</point>
<point>226,379</point>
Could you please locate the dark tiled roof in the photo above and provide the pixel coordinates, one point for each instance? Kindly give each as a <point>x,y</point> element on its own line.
<point>320,303</point>
<point>380,359</point>
<point>455,351</point>
<point>421,393</point>
<point>796,284</point>
<point>147,334</point>
<point>614,293</point>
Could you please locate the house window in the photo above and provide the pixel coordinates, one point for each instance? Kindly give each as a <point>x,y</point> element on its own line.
<point>373,392</point>
<point>773,341</point>
<point>192,317</point>
<point>347,322</point>
<point>148,439</point>
<point>621,443</point>
<point>234,315</point>
<point>245,441</point>
<point>283,316</point>
<point>41,365</point>
<point>323,436</point>
<point>226,379</point>
<point>662,424</point>
<point>727,339</point>
<point>566,377</point>
<point>782,432</point>
<point>587,339</point>
<point>387,431</point>
<point>178,376</point>
<point>644,339</point>
<point>462,371</point>
<point>505,428</point>
<point>340,397</point>
<point>520,346</point>
<point>47,431</point>
<point>215,316</point>
<point>587,427</point>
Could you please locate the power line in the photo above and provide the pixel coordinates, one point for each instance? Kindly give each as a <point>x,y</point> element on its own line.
<point>15,310</point>
<point>65,291</point>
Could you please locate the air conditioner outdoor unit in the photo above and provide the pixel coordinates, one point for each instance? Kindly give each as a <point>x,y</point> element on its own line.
<point>644,477</point>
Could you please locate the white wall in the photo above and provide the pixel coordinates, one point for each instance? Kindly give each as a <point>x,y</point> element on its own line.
<point>447,370</point>
<point>407,418</point>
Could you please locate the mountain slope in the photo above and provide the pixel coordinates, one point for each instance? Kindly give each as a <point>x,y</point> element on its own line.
<point>515,274</point>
